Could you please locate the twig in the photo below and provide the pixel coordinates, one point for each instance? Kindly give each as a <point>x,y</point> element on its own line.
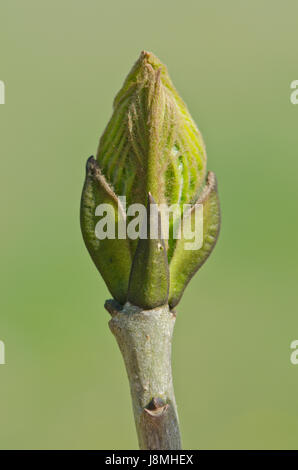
<point>145,341</point>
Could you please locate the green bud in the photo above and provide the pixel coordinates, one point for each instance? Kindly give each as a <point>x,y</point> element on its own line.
<point>151,145</point>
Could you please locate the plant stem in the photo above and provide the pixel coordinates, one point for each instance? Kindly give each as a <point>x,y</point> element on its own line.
<point>145,341</point>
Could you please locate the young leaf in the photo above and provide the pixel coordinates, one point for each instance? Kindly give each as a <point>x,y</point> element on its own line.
<point>151,143</point>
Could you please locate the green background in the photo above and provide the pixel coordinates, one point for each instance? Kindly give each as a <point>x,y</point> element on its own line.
<point>64,384</point>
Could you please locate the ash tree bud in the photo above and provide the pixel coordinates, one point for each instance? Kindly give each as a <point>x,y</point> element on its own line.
<point>152,146</point>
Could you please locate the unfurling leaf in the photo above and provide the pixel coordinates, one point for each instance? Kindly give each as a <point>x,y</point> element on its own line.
<point>151,143</point>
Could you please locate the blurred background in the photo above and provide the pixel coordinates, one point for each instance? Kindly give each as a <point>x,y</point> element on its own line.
<point>64,385</point>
